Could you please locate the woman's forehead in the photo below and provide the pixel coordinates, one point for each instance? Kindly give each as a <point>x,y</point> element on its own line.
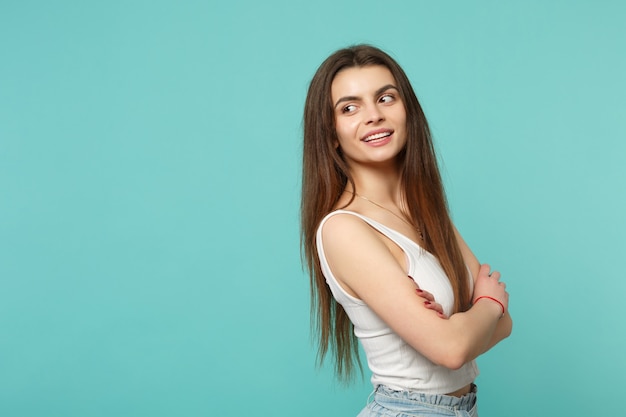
<point>359,81</point>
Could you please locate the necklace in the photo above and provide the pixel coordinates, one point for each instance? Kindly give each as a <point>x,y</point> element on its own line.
<point>419,231</point>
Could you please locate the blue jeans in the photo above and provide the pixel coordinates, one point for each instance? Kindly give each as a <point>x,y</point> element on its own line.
<point>390,403</point>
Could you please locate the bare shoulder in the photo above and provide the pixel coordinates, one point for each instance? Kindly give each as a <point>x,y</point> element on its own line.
<point>356,253</point>
<point>343,226</point>
<point>347,234</point>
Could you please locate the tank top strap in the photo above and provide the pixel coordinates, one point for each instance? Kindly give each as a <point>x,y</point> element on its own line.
<point>398,238</point>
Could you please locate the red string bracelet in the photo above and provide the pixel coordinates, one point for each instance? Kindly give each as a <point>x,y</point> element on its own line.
<point>493,299</point>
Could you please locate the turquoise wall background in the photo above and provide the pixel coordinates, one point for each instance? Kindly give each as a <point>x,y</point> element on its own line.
<point>149,192</point>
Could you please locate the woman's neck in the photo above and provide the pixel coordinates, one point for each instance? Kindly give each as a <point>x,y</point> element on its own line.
<point>379,184</point>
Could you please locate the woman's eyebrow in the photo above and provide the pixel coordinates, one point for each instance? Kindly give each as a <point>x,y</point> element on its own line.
<point>356,98</point>
<point>346,98</point>
<point>385,88</point>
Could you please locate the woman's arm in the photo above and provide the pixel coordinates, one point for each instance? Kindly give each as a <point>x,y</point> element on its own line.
<point>505,324</point>
<point>359,258</point>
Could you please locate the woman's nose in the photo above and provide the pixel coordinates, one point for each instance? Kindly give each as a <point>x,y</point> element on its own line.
<point>373,115</point>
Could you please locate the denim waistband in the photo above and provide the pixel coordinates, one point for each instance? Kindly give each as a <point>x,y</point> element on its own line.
<point>385,394</point>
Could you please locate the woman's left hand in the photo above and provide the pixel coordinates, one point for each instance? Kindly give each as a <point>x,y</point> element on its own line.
<point>429,302</point>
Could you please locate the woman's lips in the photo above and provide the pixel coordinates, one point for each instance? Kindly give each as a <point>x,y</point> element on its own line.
<point>378,137</point>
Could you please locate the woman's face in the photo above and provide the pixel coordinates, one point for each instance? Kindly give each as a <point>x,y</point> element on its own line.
<point>370,118</point>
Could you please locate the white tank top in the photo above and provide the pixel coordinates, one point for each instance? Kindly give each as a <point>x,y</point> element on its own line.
<point>393,362</point>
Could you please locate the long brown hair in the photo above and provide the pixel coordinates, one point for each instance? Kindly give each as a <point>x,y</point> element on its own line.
<point>325,175</point>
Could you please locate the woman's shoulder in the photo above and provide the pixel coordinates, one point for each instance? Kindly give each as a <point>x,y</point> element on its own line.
<point>345,221</point>
<point>341,219</point>
<point>345,231</point>
<point>342,213</point>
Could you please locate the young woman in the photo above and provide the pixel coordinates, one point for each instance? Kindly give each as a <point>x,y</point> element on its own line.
<point>387,265</point>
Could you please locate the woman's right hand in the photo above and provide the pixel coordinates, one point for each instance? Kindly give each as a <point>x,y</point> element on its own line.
<point>489,285</point>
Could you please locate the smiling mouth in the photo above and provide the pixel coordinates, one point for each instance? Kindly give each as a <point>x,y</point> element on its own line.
<point>376,136</point>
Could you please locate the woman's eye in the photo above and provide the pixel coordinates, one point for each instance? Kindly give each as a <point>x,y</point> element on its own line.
<point>387,98</point>
<point>349,108</point>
